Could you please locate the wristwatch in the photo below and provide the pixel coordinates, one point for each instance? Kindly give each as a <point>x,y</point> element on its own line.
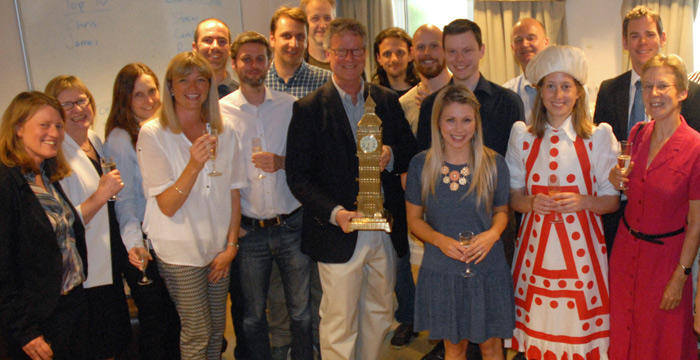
<point>686,270</point>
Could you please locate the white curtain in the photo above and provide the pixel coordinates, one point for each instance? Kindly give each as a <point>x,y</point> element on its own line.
<point>496,19</point>
<point>377,15</point>
<point>677,17</point>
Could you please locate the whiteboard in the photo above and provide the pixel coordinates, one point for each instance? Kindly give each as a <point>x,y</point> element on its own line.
<point>94,39</point>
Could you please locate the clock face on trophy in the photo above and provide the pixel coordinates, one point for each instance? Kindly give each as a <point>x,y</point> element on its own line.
<point>369,149</point>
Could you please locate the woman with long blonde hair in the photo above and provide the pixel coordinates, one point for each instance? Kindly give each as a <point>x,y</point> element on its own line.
<point>460,185</point>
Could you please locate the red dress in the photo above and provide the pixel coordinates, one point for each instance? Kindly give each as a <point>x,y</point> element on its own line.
<point>639,270</point>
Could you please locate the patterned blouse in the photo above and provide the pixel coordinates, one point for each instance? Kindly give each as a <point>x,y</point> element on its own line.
<point>61,217</point>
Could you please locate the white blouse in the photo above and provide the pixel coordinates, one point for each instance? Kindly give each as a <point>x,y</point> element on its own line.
<point>196,233</point>
<point>79,186</point>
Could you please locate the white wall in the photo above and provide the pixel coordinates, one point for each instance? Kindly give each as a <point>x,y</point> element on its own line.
<point>598,33</point>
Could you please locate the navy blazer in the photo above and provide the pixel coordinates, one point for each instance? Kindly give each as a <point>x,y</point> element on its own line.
<point>322,168</point>
<point>613,102</point>
<point>31,265</point>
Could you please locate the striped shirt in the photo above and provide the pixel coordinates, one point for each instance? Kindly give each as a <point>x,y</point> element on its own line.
<point>306,79</point>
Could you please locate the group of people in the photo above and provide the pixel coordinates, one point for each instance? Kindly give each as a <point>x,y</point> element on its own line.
<point>246,185</point>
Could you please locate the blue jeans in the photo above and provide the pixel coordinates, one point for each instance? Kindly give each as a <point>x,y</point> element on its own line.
<point>258,249</point>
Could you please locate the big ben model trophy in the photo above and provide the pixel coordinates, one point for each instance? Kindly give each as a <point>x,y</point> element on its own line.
<point>369,149</point>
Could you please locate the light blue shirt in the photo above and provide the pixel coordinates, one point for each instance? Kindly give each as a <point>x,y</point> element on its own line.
<point>527,92</point>
<point>131,204</point>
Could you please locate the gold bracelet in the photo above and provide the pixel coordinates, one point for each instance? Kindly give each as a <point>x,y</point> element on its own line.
<point>229,244</point>
<point>178,190</point>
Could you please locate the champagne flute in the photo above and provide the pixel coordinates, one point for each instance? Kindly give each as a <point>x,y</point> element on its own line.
<point>257,148</point>
<point>554,189</point>
<point>144,263</point>
<point>212,152</point>
<point>623,161</point>
<point>107,163</point>
<point>466,238</point>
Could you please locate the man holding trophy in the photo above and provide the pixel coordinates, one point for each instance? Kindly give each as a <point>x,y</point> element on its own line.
<point>327,147</point>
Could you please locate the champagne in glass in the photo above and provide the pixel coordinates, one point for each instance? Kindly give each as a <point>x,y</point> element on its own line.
<point>466,238</point>
<point>257,148</point>
<point>623,161</point>
<point>212,152</point>
<point>107,163</point>
<point>554,189</point>
<point>144,263</point>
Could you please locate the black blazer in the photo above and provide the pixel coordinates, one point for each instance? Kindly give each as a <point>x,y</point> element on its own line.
<point>31,266</point>
<point>322,168</point>
<point>612,105</point>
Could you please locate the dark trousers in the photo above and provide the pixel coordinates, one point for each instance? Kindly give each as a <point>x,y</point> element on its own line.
<point>159,323</point>
<point>610,223</point>
<point>242,350</point>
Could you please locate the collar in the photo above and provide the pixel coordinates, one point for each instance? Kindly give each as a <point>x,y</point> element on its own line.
<point>343,94</point>
<point>302,68</point>
<point>239,100</point>
<point>633,79</point>
<point>567,127</point>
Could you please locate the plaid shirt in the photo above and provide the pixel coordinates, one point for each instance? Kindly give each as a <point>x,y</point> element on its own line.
<point>306,79</point>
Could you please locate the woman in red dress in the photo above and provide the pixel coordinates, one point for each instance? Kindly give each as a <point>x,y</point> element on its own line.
<point>657,239</point>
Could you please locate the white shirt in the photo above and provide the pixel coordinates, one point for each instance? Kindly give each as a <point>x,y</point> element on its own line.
<point>526,90</point>
<point>132,203</point>
<point>270,196</point>
<point>410,109</point>
<point>196,233</point>
<point>80,185</point>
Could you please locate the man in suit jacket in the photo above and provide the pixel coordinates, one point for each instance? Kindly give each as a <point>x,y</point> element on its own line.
<point>357,269</point>
<point>643,37</point>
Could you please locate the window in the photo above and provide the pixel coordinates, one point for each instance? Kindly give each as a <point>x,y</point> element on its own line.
<point>410,14</point>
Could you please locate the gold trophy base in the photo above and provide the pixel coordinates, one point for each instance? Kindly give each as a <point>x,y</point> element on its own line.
<point>380,221</point>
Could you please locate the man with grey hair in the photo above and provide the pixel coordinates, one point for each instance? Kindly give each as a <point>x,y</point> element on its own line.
<point>357,269</point>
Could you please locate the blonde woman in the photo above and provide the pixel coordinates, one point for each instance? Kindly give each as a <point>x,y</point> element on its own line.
<point>191,218</point>
<point>461,185</point>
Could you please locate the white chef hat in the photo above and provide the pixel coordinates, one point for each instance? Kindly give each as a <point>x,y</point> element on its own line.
<point>563,58</point>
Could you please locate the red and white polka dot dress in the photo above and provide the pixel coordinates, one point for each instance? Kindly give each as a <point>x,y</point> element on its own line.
<point>560,269</point>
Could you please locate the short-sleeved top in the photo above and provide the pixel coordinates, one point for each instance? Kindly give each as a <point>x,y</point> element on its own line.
<point>197,231</point>
<point>562,145</point>
<point>451,212</point>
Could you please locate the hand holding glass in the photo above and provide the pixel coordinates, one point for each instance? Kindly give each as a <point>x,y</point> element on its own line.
<point>212,154</point>
<point>144,263</point>
<point>107,163</point>
<point>466,238</point>
<point>256,143</point>
<point>623,161</point>
<point>554,189</point>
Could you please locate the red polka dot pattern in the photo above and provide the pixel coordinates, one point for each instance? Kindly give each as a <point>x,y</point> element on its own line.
<point>554,139</point>
<point>553,152</point>
<point>576,235</point>
<point>554,304</point>
<point>538,301</point>
<point>546,283</point>
<point>570,178</point>
<point>580,253</point>
<point>570,304</point>
<point>526,145</point>
<point>586,326</point>
<point>562,283</point>
<point>536,177</point>
<point>553,165</point>
<point>585,269</point>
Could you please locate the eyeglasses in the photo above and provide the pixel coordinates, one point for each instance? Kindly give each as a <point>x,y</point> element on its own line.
<point>341,53</point>
<point>82,102</point>
<point>661,88</point>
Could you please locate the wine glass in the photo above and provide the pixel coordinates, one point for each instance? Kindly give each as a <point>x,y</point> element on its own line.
<point>465,239</point>
<point>257,148</point>
<point>554,189</point>
<point>107,163</point>
<point>212,152</point>
<point>623,161</point>
<point>144,263</point>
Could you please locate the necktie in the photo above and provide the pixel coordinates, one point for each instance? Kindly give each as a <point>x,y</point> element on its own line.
<point>637,113</point>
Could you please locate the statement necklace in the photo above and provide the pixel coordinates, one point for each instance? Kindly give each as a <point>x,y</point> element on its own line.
<point>454,178</point>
